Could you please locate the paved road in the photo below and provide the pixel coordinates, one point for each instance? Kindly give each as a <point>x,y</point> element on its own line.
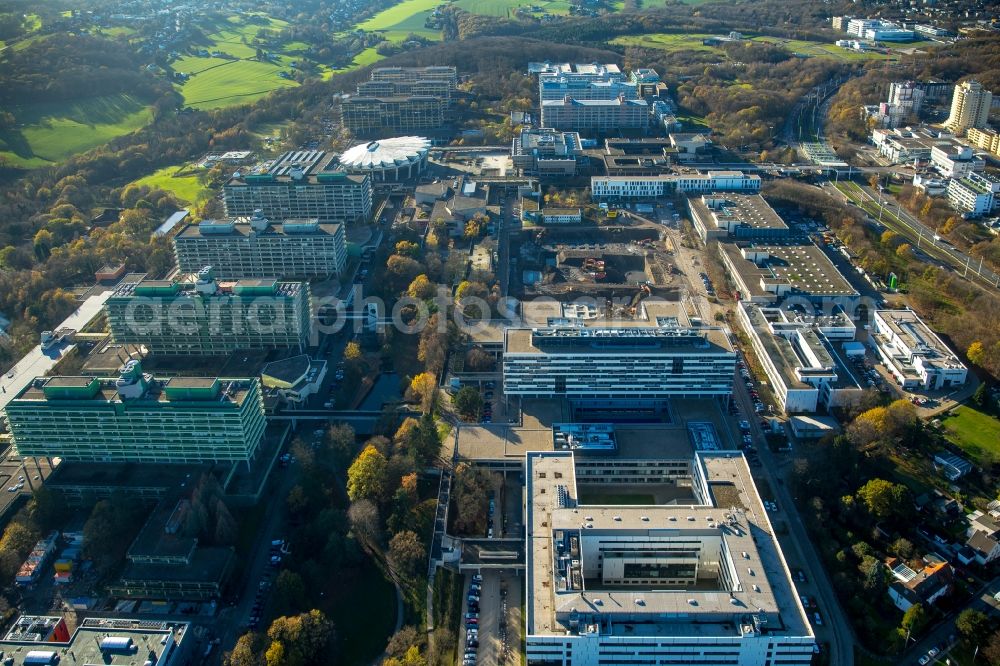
<point>894,216</point>
<point>37,363</point>
<point>798,548</point>
<point>233,620</point>
<point>940,636</point>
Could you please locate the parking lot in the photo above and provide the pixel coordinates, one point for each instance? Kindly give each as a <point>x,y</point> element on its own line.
<point>491,629</point>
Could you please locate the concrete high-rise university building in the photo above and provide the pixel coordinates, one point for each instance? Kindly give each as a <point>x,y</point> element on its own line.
<point>256,247</point>
<point>210,317</point>
<point>970,107</point>
<point>138,418</point>
<point>301,184</point>
<point>370,116</point>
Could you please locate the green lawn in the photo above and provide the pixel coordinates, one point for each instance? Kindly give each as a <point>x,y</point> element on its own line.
<point>229,82</point>
<point>388,18</point>
<point>821,49</point>
<point>50,132</point>
<point>398,21</point>
<point>367,57</point>
<point>184,185</point>
<point>629,499</point>
<point>976,433</point>
<point>502,7</point>
<point>220,82</point>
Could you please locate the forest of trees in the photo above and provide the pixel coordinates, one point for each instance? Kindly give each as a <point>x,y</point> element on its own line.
<point>69,67</point>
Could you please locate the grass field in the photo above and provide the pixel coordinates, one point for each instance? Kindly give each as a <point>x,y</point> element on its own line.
<point>502,7</point>
<point>821,49</point>
<point>398,21</point>
<point>976,433</point>
<point>620,499</point>
<point>667,42</point>
<point>229,82</point>
<point>50,132</point>
<point>185,185</point>
<point>692,42</point>
<point>220,82</point>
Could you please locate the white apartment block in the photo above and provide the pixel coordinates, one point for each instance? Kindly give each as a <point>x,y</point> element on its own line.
<point>976,194</point>
<point>913,353</point>
<point>702,581</point>
<point>955,160</point>
<point>637,188</point>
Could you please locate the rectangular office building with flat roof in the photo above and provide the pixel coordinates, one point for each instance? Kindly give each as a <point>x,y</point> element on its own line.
<point>301,184</point>
<point>256,247</point>
<point>205,316</point>
<point>593,360</point>
<point>371,116</point>
<point>699,581</point>
<point>915,356</point>
<point>595,116</point>
<point>138,418</point>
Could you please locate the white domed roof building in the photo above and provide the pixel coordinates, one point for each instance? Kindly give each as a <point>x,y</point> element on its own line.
<point>388,160</point>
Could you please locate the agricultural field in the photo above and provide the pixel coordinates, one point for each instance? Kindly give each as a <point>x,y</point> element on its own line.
<point>976,433</point>
<point>183,182</point>
<point>52,132</point>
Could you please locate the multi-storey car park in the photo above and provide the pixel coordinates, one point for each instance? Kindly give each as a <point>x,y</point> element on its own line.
<point>301,184</point>
<point>138,418</point>
<point>256,247</point>
<point>204,316</point>
<point>915,356</point>
<point>741,216</point>
<point>770,272</point>
<point>701,580</point>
